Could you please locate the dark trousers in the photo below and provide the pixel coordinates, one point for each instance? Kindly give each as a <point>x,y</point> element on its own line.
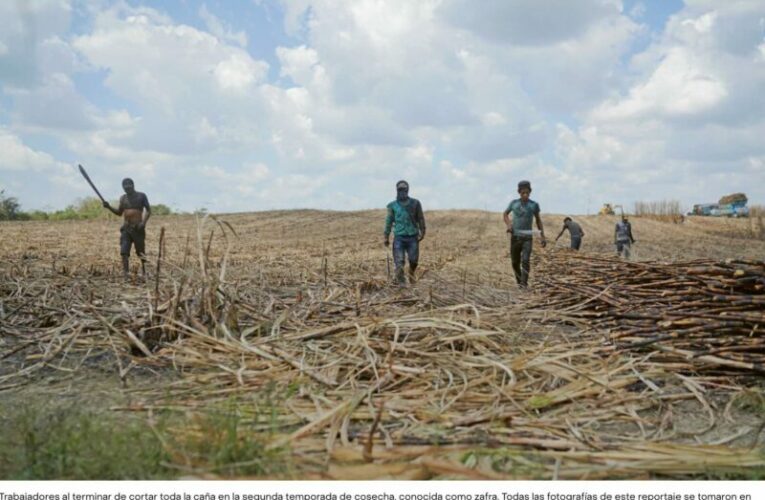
<point>576,242</point>
<point>405,247</point>
<point>520,255</point>
<point>132,236</point>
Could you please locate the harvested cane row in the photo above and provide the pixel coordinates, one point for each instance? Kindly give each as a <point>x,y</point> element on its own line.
<point>709,313</point>
<point>454,377</point>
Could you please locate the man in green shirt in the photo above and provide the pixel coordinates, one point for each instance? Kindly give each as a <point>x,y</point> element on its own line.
<point>408,222</point>
<point>524,211</point>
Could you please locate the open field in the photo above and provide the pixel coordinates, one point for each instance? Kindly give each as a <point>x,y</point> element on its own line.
<point>271,345</point>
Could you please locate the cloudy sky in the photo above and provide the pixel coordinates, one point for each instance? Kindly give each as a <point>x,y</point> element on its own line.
<point>259,104</point>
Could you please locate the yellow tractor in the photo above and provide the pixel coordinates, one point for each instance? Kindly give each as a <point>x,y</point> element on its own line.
<point>608,209</point>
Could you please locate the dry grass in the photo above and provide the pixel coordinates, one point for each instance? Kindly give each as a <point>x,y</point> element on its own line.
<point>459,376</point>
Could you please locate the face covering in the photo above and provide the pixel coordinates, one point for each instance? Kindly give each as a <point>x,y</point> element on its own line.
<point>402,194</point>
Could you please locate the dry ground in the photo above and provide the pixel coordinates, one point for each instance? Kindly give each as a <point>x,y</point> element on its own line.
<point>295,331</point>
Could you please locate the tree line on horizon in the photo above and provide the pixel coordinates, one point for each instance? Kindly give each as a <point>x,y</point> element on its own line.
<point>82,209</point>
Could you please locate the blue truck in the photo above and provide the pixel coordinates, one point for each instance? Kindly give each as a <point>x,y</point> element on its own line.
<point>733,205</point>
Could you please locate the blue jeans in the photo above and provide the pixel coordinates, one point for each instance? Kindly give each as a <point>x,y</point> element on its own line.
<point>623,247</point>
<point>409,247</point>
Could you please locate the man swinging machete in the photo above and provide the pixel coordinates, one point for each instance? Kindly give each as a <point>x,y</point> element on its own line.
<point>135,209</point>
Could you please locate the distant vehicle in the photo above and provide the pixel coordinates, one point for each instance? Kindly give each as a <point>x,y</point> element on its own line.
<point>608,209</point>
<point>703,209</point>
<point>733,205</point>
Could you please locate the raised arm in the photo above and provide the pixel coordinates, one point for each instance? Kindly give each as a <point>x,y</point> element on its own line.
<point>118,211</point>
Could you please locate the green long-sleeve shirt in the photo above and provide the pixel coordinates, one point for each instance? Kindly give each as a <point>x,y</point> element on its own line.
<point>399,218</point>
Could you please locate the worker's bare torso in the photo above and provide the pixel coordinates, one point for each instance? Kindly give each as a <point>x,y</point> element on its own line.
<point>132,207</point>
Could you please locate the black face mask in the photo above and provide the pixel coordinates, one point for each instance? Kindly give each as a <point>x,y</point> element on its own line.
<point>402,194</point>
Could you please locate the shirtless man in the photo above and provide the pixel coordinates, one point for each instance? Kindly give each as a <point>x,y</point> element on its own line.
<point>135,209</point>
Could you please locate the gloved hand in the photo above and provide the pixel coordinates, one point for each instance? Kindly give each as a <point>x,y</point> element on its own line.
<point>106,204</point>
<point>386,242</point>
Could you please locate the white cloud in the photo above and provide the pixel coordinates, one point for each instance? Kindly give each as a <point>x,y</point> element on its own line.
<point>460,101</point>
<point>683,84</point>
<point>528,22</point>
<point>219,29</point>
<point>689,126</point>
<point>153,61</point>
<point>24,29</point>
<point>53,104</point>
<point>238,72</point>
<point>19,157</point>
<point>25,170</point>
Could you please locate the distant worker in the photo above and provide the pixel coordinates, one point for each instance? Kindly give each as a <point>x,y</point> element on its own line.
<point>623,237</point>
<point>134,207</point>
<point>574,230</point>
<point>524,212</point>
<point>406,217</point>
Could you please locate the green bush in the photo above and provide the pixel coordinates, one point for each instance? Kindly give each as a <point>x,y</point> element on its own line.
<point>69,443</point>
<point>10,209</point>
<point>160,209</point>
<point>41,441</point>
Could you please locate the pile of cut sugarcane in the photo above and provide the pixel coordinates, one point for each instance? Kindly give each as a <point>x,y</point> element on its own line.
<point>708,313</point>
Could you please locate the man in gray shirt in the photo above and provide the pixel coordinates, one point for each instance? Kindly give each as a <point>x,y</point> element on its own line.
<point>574,230</point>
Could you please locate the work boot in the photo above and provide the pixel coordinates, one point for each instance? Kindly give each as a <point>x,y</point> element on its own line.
<point>399,279</point>
<point>412,276</point>
<point>126,268</point>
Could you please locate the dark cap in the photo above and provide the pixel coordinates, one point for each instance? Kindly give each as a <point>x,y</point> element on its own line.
<point>128,180</point>
<point>524,185</point>
<point>402,185</point>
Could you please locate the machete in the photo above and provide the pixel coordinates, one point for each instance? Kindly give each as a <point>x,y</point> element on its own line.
<point>87,178</point>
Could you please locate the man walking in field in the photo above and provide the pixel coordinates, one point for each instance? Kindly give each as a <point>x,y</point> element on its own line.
<point>575,232</point>
<point>524,211</point>
<point>408,222</point>
<point>623,237</point>
<point>135,209</point>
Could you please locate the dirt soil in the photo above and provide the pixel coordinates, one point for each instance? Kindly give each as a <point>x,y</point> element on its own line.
<point>452,377</point>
